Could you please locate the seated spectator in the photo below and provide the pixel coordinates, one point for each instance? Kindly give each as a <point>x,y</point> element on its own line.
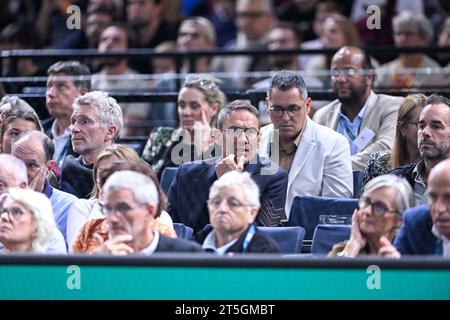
<point>316,158</point>
<point>97,121</point>
<point>199,102</point>
<point>405,150</point>
<point>15,123</point>
<point>36,149</point>
<point>88,209</point>
<point>444,41</point>
<point>232,228</point>
<point>239,125</point>
<point>426,229</point>
<point>85,241</point>
<point>410,30</point>
<point>378,218</point>
<point>433,139</point>
<point>26,221</point>
<point>130,205</point>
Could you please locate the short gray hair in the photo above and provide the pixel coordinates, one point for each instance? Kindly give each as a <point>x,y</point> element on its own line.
<point>17,167</point>
<point>42,212</point>
<point>286,80</point>
<point>404,198</point>
<point>143,188</point>
<point>241,181</point>
<point>16,104</point>
<point>234,106</point>
<point>108,110</point>
<point>418,21</point>
<point>204,25</point>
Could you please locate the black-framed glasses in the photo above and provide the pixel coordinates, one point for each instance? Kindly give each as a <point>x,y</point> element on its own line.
<point>378,207</point>
<point>235,132</point>
<point>13,213</point>
<point>122,208</point>
<point>232,203</point>
<point>279,111</point>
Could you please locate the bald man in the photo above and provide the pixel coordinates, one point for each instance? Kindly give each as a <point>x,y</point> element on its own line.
<point>366,119</point>
<point>426,229</point>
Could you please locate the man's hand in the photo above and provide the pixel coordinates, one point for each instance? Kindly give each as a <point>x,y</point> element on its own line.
<point>37,183</point>
<point>202,134</point>
<point>229,164</point>
<point>357,241</point>
<point>115,246</point>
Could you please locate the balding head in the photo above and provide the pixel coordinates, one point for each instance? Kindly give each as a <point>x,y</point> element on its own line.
<point>13,173</point>
<point>353,54</point>
<point>36,150</point>
<point>439,197</point>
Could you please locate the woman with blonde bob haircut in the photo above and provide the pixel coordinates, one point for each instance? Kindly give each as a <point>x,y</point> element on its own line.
<point>378,218</point>
<point>26,221</point>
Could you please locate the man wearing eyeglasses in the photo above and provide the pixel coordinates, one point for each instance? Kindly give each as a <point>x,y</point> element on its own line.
<point>316,158</point>
<point>367,120</point>
<point>130,206</point>
<point>238,123</point>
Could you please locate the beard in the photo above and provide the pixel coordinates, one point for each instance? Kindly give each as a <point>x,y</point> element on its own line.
<point>440,152</point>
<point>355,95</point>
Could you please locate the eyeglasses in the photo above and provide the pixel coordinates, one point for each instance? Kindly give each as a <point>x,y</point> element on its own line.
<point>279,111</point>
<point>232,203</point>
<point>13,213</point>
<point>406,34</point>
<point>122,208</point>
<point>235,132</point>
<point>348,72</point>
<point>378,208</point>
<point>411,122</point>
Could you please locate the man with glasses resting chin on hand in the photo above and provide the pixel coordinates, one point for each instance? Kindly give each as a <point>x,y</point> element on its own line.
<point>239,124</point>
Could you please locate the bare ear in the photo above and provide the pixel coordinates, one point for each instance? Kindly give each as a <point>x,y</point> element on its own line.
<point>151,210</point>
<point>308,104</point>
<point>252,215</point>
<point>214,109</point>
<point>111,133</point>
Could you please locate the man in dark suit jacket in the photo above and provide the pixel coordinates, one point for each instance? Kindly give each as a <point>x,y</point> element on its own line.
<point>239,123</point>
<point>130,206</point>
<point>426,230</point>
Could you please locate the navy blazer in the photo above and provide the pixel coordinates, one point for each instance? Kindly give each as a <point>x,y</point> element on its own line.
<point>189,192</point>
<point>166,244</point>
<point>415,236</point>
<point>47,126</point>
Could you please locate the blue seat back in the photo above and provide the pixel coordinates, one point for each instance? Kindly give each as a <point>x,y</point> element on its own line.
<point>167,177</point>
<point>358,178</point>
<point>327,235</point>
<point>183,231</point>
<point>289,239</point>
<point>307,212</point>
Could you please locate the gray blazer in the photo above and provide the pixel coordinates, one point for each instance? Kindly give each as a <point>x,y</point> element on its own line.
<point>380,117</point>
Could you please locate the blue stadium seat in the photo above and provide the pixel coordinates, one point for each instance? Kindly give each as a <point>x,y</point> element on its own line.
<point>289,239</point>
<point>167,177</point>
<point>358,178</point>
<point>308,211</point>
<point>327,235</point>
<point>182,231</point>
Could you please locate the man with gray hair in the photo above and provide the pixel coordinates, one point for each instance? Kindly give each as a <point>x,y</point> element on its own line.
<point>316,158</point>
<point>13,174</point>
<point>66,81</point>
<point>97,121</point>
<point>130,206</point>
<point>233,205</point>
<point>238,123</point>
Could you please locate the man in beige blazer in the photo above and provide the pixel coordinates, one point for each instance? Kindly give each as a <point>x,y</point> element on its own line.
<point>316,158</point>
<point>366,119</point>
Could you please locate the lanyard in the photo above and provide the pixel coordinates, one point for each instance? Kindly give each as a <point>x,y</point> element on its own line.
<point>438,248</point>
<point>251,232</point>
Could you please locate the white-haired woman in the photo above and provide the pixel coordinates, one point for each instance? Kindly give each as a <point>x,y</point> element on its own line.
<point>379,216</point>
<point>233,205</point>
<point>26,221</point>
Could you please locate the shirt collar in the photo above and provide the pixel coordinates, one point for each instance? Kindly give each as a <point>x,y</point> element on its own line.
<point>48,189</point>
<point>360,114</point>
<point>151,247</point>
<point>210,243</point>
<point>417,169</point>
<point>66,133</point>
